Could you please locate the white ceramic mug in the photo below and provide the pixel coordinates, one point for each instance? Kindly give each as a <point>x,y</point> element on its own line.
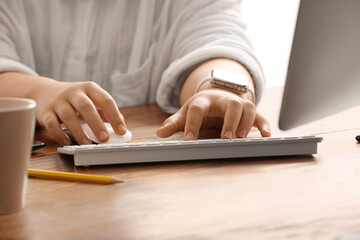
<point>17,126</point>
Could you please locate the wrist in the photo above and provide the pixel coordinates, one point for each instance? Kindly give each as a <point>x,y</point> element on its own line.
<point>248,95</point>
<point>16,84</point>
<point>40,85</point>
<point>192,82</point>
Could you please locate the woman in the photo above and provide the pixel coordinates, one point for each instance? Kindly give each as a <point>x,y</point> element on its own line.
<point>85,58</point>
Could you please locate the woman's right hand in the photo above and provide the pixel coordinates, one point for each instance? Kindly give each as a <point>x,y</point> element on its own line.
<point>64,102</point>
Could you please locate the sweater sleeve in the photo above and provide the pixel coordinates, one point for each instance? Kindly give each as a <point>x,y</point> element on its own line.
<point>200,31</point>
<point>15,44</point>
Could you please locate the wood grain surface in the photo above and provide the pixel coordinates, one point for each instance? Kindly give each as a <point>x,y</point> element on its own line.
<point>308,197</point>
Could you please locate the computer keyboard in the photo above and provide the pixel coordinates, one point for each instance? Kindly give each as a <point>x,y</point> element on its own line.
<point>159,151</point>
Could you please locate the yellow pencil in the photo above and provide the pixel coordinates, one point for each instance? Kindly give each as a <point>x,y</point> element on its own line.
<point>80,177</point>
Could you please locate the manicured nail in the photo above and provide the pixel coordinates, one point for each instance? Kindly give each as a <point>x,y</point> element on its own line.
<point>242,133</point>
<point>228,134</point>
<point>85,142</point>
<point>266,129</point>
<point>189,136</point>
<point>122,129</point>
<point>103,136</point>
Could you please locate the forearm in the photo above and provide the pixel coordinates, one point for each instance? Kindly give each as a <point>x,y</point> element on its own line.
<point>16,84</point>
<point>204,70</point>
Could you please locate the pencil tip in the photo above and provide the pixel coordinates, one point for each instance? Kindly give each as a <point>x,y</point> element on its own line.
<point>115,180</point>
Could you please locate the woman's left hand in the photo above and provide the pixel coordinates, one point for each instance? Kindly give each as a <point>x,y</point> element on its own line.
<point>215,108</point>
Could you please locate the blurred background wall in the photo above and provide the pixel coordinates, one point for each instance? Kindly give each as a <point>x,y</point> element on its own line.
<point>271,25</point>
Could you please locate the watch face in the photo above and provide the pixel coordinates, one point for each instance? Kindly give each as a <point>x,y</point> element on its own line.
<point>229,79</point>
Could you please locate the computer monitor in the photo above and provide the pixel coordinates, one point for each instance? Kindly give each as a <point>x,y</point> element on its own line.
<point>324,68</point>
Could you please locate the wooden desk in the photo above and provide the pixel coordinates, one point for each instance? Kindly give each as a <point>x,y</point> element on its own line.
<point>260,198</point>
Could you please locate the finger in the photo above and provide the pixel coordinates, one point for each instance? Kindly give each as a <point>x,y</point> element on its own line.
<point>102,99</point>
<point>232,118</point>
<point>263,125</point>
<point>247,119</point>
<point>197,109</point>
<point>173,124</point>
<point>83,105</point>
<point>51,123</point>
<point>69,117</point>
<point>102,115</point>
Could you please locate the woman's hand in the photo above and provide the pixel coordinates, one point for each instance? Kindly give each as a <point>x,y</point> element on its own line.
<point>211,108</point>
<point>206,106</point>
<point>65,102</point>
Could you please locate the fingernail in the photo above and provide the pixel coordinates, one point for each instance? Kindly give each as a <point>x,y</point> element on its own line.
<point>85,142</point>
<point>103,136</point>
<point>242,133</point>
<point>228,134</point>
<point>122,129</point>
<point>267,131</point>
<point>189,136</point>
